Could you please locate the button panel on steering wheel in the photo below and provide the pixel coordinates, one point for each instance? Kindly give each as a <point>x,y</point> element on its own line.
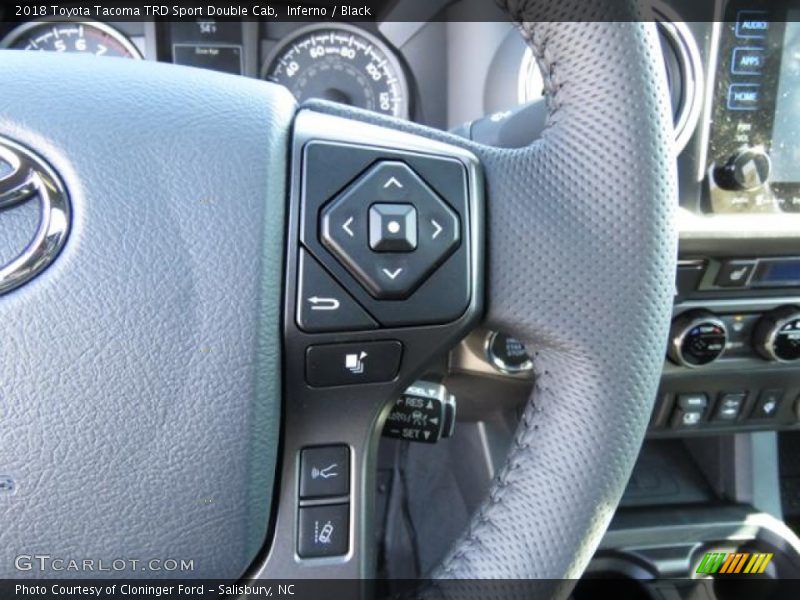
<point>391,228</point>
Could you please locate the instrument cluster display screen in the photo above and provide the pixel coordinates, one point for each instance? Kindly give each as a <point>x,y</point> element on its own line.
<point>227,59</point>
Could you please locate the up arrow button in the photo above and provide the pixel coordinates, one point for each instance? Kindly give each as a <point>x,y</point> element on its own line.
<point>392,182</point>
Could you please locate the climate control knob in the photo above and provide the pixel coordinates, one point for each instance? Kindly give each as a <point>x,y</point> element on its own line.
<point>777,335</point>
<point>748,169</point>
<point>697,338</point>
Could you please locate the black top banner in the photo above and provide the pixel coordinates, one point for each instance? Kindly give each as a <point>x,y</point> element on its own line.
<point>330,10</point>
<point>304,10</point>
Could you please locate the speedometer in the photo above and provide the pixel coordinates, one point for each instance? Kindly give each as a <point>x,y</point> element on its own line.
<point>342,63</point>
<point>70,36</point>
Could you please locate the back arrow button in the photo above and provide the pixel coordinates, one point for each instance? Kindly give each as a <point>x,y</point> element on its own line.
<point>323,305</point>
<point>318,303</point>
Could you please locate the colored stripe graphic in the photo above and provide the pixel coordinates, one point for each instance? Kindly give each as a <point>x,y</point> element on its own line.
<point>761,563</point>
<point>730,561</point>
<point>711,562</point>
<point>739,562</point>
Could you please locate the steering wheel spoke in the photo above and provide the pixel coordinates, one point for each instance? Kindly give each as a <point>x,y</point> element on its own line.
<point>340,382</point>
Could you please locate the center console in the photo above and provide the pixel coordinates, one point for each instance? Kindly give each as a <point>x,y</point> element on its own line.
<point>648,554</point>
<point>732,360</point>
<point>708,484</point>
<point>732,366</point>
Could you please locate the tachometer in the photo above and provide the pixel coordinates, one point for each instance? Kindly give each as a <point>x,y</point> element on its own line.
<point>70,36</point>
<point>342,63</point>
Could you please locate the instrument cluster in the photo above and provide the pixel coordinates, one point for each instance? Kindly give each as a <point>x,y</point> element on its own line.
<point>336,61</point>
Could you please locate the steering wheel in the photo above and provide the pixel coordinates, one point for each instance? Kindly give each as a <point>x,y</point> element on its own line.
<point>161,374</point>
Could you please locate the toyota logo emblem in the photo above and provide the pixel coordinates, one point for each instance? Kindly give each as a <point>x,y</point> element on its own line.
<point>25,177</point>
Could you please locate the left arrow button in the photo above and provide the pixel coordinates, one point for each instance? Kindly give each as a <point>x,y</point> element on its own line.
<point>323,304</point>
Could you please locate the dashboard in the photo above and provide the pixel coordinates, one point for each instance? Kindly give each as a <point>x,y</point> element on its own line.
<point>730,366</point>
<point>430,72</point>
<point>335,61</point>
<point>440,73</point>
<point>734,75</point>
<point>391,68</point>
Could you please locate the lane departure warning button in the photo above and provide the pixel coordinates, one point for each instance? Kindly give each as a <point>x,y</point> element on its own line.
<point>323,531</point>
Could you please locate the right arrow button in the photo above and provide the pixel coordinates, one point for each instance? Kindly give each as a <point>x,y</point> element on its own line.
<point>440,231</point>
<point>437,229</point>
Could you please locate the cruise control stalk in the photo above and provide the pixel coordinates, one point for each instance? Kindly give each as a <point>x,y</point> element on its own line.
<point>426,412</point>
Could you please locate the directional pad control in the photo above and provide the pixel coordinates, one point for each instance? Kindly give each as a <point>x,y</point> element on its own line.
<point>390,229</point>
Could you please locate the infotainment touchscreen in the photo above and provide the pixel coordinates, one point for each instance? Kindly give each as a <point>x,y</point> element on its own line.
<point>753,152</point>
<point>785,147</point>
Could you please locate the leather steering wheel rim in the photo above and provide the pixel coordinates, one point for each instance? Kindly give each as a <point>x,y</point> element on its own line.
<point>582,249</point>
<point>601,207</point>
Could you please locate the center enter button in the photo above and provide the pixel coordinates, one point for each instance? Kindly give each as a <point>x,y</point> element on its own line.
<point>393,227</point>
